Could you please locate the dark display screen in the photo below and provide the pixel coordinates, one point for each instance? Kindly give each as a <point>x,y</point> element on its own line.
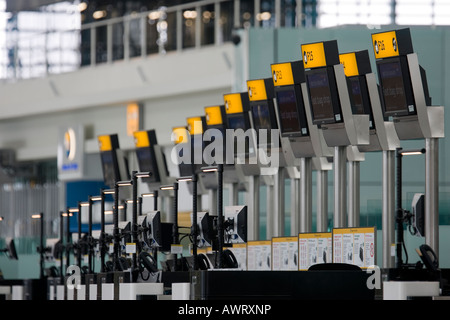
<point>392,87</point>
<point>236,121</point>
<point>356,96</point>
<point>110,168</point>
<point>147,163</point>
<point>320,94</point>
<point>287,106</point>
<point>261,116</point>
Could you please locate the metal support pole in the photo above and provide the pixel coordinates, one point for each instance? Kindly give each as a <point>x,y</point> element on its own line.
<point>134,231</point>
<point>194,220</point>
<point>353,194</point>
<point>253,208</point>
<point>220,213</point>
<point>399,212</point>
<point>90,243</point>
<point>295,203</point>
<point>116,229</point>
<point>340,188</point>
<point>432,194</point>
<point>305,195</point>
<point>388,210</point>
<point>279,203</point>
<point>102,233</point>
<point>322,201</point>
<point>79,236</point>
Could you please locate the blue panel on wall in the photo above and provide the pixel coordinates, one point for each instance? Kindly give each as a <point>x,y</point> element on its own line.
<point>77,191</point>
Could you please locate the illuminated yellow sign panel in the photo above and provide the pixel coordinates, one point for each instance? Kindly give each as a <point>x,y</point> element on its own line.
<point>385,44</point>
<point>195,125</point>
<point>350,64</point>
<point>282,74</point>
<point>313,55</point>
<point>104,143</point>
<point>141,139</point>
<point>180,135</point>
<point>213,116</point>
<point>256,90</point>
<point>233,103</point>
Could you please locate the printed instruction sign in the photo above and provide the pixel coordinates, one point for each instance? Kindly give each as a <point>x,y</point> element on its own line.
<point>354,246</point>
<point>259,255</point>
<point>240,252</point>
<point>285,253</point>
<point>314,248</point>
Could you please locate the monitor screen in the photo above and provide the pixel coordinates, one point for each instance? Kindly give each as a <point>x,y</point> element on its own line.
<point>288,112</point>
<point>356,97</point>
<point>236,121</point>
<point>393,87</point>
<point>110,168</point>
<point>261,116</point>
<point>320,96</point>
<point>147,163</point>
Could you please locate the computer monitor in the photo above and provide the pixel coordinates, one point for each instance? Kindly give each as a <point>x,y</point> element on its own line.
<point>359,97</point>
<point>237,121</point>
<point>323,96</point>
<point>114,163</point>
<point>10,249</point>
<point>146,156</point>
<point>205,227</point>
<point>153,233</point>
<point>418,214</point>
<point>396,87</point>
<point>235,224</point>
<point>291,111</point>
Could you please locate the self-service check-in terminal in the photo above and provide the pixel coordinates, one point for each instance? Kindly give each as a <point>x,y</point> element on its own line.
<point>271,158</point>
<point>365,98</point>
<point>303,144</point>
<point>407,102</point>
<point>242,153</point>
<point>331,112</point>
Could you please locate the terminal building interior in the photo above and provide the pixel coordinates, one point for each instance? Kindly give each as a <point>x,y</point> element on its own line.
<point>298,145</point>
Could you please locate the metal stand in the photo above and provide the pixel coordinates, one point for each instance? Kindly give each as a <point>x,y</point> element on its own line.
<point>305,195</point>
<point>322,201</point>
<point>353,194</point>
<point>253,208</point>
<point>432,194</point>
<point>388,210</point>
<point>340,186</point>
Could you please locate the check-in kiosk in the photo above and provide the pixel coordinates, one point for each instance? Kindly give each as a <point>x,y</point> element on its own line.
<point>365,99</point>
<point>302,143</point>
<point>215,153</point>
<point>331,112</point>
<point>114,163</point>
<point>271,159</point>
<point>406,100</point>
<point>243,142</point>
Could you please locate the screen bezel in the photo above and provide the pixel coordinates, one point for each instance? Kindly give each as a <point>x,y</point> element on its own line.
<point>301,115</point>
<point>335,102</point>
<point>407,86</point>
<point>367,106</point>
<point>148,166</point>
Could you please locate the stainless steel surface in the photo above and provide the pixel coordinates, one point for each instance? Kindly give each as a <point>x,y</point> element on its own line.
<point>353,194</point>
<point>432,194</point>
<point>322,201</point>
<point>388,210</point>
<point>306,195</point>
<point>340,186</point>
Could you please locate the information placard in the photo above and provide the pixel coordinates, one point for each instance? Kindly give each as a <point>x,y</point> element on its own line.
<point>240,252</point>
<point>259,255</point>
<point>354,246</point>
<point>314,248</point>
<point>285,253</point>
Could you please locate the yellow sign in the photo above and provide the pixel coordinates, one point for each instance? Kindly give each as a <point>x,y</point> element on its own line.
<point>313,235</point>
<point>285,239</point>
<point>256,90</point>
<point>385,44</point>
<point>313,55</point>
<point>195,125</point>
<point>104,143</point>
<point>259,243</point>
<point>353,230</point>
<point>141,139</point>
<point>348,60</point>
<point>213,116</point>
<point>132,118</point>
<point>180,135</point>
<point>233,103</point>
<point>282,74</point>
